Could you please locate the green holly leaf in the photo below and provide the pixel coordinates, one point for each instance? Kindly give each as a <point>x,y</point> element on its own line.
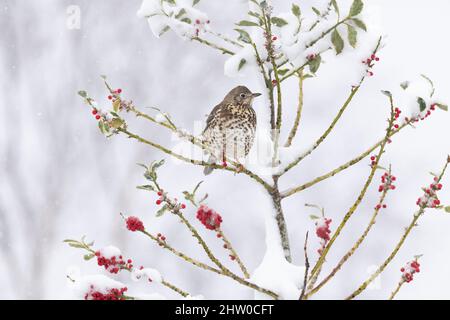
<point>244,36</point>
<point>422,104</point>
<point>404,85</point>
<point>335,6</point>
<point>356,8</point>
<point>116,123</point>
<point>101,126</point>
<point>246,23</point>
<point>296,10</point>
<point>442,106</point>
<point>82,93</point>
<point>195,2</point>
<point>282,72</point>
<point>242,64</point>
<point>316,11</point>
<point>146,187</point>
<point>447,209</point>
<point>161,211</point>
<point>89,256</point>
<point>315,64</point>
<point>313,217</point>
<point>279,22</point>
<point>360,24</point>
<point>352,36</point>
<point>337,41</point>
<point>386,93</point>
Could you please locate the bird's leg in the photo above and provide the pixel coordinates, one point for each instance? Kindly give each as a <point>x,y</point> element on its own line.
<point>224,150</point>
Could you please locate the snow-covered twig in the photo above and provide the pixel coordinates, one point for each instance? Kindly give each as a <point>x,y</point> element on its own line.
<point>298,116</point>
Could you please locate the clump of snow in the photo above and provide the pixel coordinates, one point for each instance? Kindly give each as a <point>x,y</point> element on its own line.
<point>408,93</point>
<point>177,15</point>
<point>110,251</point>
<point>241,62</point>
<point>146,273</point>
<point>278,275</point>
<point>275,272</point>
<point>100,283</point>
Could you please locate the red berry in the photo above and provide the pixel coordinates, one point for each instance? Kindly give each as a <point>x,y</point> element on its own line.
<point>94,112</point>
<point>110,97</point>
<point>97,117</point>
<point>158,202</point>
<point>134,224</point>
<point>119,90</point>
<point>183,206</point>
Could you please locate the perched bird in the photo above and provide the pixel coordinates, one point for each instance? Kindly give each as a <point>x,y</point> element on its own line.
<point>230,127</point>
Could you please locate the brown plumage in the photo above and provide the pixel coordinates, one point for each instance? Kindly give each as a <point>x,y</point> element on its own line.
<point>230,127</point>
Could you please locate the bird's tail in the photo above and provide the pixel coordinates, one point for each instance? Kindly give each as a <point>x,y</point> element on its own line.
<point>209,169</point>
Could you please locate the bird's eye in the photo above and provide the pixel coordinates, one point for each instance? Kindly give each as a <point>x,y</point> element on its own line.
<point>242,95</point>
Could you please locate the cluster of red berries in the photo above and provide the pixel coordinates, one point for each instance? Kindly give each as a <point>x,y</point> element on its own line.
<point>115,94</point>
<point>161,239</point>
<point>397,113</point>
<point>387,182</point>
<point>409,270</point>
<point>370,63</point>
<point>430,198</point>
<point>373,160</point>
<point>112,294</point>
<point>96,114</point>
<point>200,25</point>
<point>113,264</point>
<point>173,204</point>
<point>323,232</point>
<point>425,115</point>
<point>209,218</point>
<point>134,224</point>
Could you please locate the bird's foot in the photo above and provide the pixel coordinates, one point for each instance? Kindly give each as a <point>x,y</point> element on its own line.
<point>239,168</point>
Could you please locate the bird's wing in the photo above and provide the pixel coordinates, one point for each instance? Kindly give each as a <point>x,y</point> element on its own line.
<point>219,111</point>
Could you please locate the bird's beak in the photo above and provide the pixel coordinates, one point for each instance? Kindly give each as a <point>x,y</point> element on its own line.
<point>254,95</point>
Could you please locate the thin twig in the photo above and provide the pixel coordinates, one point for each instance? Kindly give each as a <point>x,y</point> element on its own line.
<point>305,279</point>
<point>294,129</point>
<point>397,289</point>
<point>213,45</point>
<point>234,253</point>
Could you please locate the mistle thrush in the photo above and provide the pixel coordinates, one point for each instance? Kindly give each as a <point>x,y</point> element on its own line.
<point>230,127</point>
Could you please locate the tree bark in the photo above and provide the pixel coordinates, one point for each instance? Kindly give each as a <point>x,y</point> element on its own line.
<point>281,222</point>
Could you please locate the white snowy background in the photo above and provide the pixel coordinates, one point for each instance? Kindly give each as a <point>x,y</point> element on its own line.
<point>60,178</point>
